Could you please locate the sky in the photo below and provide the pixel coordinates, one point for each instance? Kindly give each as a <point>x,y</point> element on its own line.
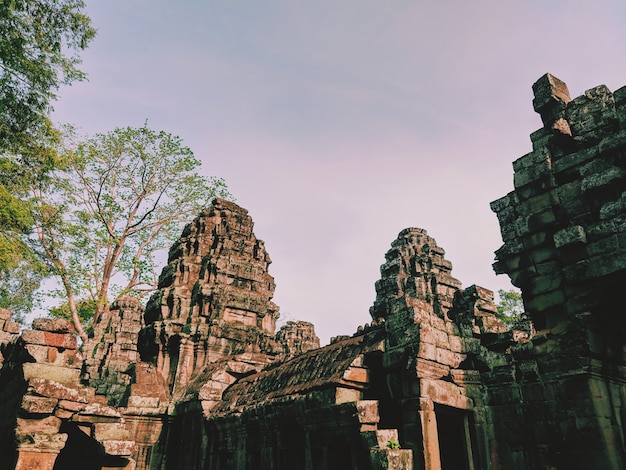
<point>338,123</point>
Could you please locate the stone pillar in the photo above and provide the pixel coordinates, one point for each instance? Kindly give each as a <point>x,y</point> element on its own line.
<point>432,459</point>
<point>185,365</point>
<point>41,452</point>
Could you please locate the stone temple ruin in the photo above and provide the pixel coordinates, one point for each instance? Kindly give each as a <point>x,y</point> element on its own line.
<point>198,379</point>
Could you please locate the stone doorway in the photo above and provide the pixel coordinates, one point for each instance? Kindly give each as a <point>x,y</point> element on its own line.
<point>81,452</point>
<point>456,438</point>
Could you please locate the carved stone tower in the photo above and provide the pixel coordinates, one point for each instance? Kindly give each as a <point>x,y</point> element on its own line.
<point>214,298</point>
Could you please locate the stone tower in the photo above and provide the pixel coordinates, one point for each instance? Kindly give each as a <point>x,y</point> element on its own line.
<point>214,299</point>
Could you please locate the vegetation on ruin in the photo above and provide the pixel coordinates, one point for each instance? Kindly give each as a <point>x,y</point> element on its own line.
<point>40,44</point>
<point>100,221</point>
<point>90,212</point>
<point>510,307</point>
<point>393,445</point>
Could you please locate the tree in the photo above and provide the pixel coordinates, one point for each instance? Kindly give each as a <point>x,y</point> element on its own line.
<point>510,307</point>
<point>122,198</point>
<point>18,288</point>
<point>39,45</point>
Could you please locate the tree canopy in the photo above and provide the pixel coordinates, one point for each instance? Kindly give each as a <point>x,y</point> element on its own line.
<point>121,198</point>
<point>39,45</point>
<point>510,307</point>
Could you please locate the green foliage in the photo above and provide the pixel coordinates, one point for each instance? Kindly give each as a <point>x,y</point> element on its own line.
<point>393,445</point>
<point>120,200</point>
<point>510,306</point>
<point>18,288</point>
<point>39,43</point>
<point>85,309</point>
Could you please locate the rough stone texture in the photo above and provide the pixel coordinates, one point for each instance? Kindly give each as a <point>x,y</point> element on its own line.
<point>206,383</point>
<point>297,337</point>
<point>43,400</point>
<point>434,381</point>
<point>214,298</point>
<point>415,268</point>
<point>564,236</point>
<point>431,352</point>
<point>9,331</point>
<point>112,350</point>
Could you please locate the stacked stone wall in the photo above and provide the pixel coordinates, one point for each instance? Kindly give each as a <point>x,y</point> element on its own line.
<point>564,233</point>
<point>435,381</point>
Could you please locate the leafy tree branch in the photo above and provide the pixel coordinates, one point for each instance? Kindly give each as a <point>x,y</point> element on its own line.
<point>122,198</point>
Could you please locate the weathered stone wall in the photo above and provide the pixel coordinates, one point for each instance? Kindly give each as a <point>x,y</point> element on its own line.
<point>9,331</point>
<point>48,419</point>
<point>432,352</point>
<point>561,401</point>
<point>214,298</point>
<point>111,351</point>
<point>297,337</point>
<point>435,381</point>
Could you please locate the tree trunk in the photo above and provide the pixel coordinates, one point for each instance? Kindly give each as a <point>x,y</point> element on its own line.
<point>71,302</point>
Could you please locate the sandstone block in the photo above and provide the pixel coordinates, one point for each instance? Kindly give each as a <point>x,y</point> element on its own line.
<point>574,160</point>
<point>543,255</point>
<point>356,374</point>
<point>592,116</point>
<point>99,409</point>
<point>46,354</point>
<point>445,393</point>
<point>11,327</point>
<point>540,138</point>
<point>602,265</point>
<point>548,92</point>
<point>449,358</point>
<point>427,351</point>
<point>385,436</point>
<point>610,177</point>
<point>347,395</point>
<point>604,246</point>
<point>430,369</point>
<point>38,405</point>
<point>62,391</point>
<point>63,414</point>
<point>72,406</point>
<point>367,411</point>
<point>6,337</point>
<point>30,446</point>
<point>111,431</point>
<point>391,459</point>
<point>5,314</point>
<point>47,425</point>
<point>119,447</point>
<point>143,402</point>
<point>53,325</point>
<point>46,338</point>
<point>63,375</point>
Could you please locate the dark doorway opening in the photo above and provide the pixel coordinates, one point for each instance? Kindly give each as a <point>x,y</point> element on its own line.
<point>82,452</point>
<point>455,430</point>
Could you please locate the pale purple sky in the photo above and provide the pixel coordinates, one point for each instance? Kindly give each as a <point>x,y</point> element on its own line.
<point>337,123</point>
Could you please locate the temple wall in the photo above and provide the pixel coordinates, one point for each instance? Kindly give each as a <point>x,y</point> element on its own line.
<point>199,379</point>
<point>560,403</point>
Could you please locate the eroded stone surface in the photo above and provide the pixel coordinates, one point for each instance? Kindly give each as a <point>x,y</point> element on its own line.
<point>214,298</point>
<point>297,337</point>
<point>563,231</point>
<point>112,350</point>
<point>435,380</point>
<point>41,392</point>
